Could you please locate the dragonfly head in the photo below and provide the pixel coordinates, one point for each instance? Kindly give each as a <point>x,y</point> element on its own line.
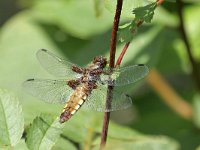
<point>100,61</point>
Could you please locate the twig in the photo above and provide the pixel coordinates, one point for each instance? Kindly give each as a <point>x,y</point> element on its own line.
<point>111,65</point>
<point>114,33</point>
<point>122,54</point>
<point>168,94</point>
<point>195,68</point>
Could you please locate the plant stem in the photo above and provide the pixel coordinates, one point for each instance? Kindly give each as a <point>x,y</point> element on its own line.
<point>159,2</point>
<point>113,40</point>
<point>111,65</point>
<point>194,64</point>
<point>122,54</point>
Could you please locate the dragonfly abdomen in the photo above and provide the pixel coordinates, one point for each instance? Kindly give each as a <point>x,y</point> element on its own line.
<point>76,99</point>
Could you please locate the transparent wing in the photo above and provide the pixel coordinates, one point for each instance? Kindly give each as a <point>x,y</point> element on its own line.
<point>126,75</point>
<point>55,65</point>
<point>51,91</point>
<point>97,100</point>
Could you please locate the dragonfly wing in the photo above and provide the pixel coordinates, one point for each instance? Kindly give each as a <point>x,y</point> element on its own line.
<point>51,91</point>
<point>125,75</point>
<point>55,65</point>
<point>97,100</point>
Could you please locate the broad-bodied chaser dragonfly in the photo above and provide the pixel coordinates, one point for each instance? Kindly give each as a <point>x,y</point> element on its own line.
<point>82,85</point>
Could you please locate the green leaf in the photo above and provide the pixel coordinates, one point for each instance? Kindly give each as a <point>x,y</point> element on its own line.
<point>128,6</point>
<point>11,119</point>
<point>196,110</point>
<point>126,32</point>
<point>145,13</point>
<point>43,133</point>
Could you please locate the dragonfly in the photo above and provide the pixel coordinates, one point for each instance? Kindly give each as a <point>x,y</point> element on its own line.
<point>78,86</point>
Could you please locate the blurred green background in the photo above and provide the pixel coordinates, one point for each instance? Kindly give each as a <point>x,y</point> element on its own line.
<point>80,30</point>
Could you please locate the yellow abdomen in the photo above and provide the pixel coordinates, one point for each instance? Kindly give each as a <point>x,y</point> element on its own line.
<point>76,99</point>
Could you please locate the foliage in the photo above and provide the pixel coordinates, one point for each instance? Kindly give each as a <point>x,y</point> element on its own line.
<point>145,13</point>
<point>78,31</point>
<point>11,119</point>
<point>43,133</point>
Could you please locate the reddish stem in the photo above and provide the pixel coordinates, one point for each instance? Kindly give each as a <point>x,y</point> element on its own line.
<point>159,2</point>
<point>122,54</point>
<point>114,33</point>
<point>111,65</point>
